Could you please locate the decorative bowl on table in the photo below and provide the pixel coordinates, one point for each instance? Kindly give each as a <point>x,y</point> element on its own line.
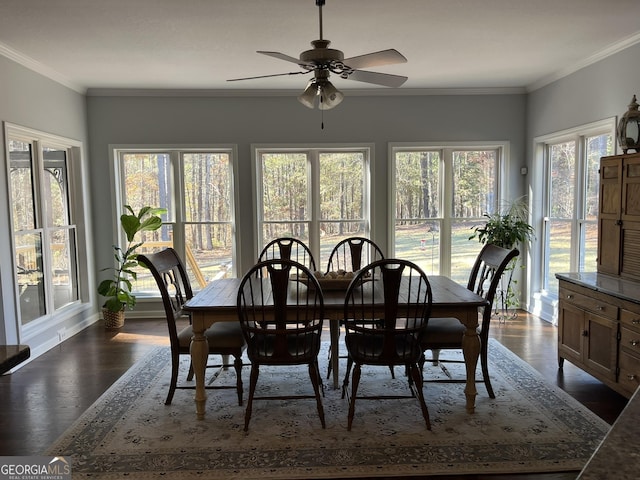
<point>339,280</point>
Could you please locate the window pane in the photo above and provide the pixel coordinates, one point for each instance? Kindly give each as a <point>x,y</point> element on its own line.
<point>463,251</point>
<point>562,178</point>
<point>213,258</point>
<point>285,187</point>
<point>474,183</point>
<point>146,181</point>
<point>417,199</point>
<point>55,187</point>
<point>30,276</point>
<point>419,242</point>
<point>22,197</point>
<point>64,271</point>
<point>341,184</point>
<point>596,147</point>
<point>588,259</point>
<point>558,248</point>
<point>207,187</point>
<point>417,185</point>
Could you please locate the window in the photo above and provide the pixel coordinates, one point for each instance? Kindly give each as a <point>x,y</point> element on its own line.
<point>42,221</point>
<point>196,188</point>
<point>317,195</point>
<point>570,221</point>
<point>439,195</point>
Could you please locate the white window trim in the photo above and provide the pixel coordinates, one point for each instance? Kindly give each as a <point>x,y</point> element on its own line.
<point>502,173</point>
<point>76,179</point>
<point>543,303</point>
<point>177,188</point>
<point>257,149</point>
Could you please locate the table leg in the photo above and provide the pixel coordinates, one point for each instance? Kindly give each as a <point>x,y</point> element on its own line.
<point>471,352</point>
<point>199,350</point>
<point>334,329</point>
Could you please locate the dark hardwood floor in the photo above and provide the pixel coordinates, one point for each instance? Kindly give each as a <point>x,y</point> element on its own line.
<point>43,398</point>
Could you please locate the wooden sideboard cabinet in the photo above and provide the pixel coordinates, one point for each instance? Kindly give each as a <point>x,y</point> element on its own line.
<point>599,327</point>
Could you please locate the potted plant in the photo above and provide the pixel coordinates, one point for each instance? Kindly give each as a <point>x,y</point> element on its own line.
<point>507,228</point>
<point>117,289</point>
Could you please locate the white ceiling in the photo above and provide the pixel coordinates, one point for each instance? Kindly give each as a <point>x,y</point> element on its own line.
<point>199,44</point>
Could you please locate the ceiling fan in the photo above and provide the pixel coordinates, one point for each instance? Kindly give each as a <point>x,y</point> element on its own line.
<point>322,61</point>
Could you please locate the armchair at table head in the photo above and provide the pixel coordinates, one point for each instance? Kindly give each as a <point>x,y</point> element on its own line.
<point>224,338</point>
<point>353,253</point>
<point>447,333</point>
<point>281,316</point>
<point>386,309</point>
<point>288,248</point>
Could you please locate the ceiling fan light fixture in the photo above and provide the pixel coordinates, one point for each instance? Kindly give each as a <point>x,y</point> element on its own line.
<point>329,95</point>
<point>308,97</point>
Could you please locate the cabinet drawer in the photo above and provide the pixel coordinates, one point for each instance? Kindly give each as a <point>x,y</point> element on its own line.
<point>591,304</point>
<point>630,319</point>
<point>630,339</point>
<point>629,377</point>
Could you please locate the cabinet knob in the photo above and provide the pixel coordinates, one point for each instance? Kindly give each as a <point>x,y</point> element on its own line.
<point>635,321</point>
<point>598,307</point>
<point>634,342</point>
<point>631,377</point>
<point>569,297</point>
<point>618,222</point>
<point>585,333</point>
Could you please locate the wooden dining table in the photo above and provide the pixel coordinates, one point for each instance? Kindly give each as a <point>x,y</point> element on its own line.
<point>217,302</point>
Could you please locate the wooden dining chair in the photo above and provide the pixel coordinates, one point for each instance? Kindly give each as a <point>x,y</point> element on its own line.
<point>386,309</point>
<point>281,316</point>
<point>351,254</point>
<point>288,248</point>
<point>224,338</point>
<point>447,333</point>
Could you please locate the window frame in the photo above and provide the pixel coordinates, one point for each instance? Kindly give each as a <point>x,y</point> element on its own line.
<point>446,218</point>
<point>313,152</point>
<point>542,300</point>
<point>75,214</point>
<point>176,218</point>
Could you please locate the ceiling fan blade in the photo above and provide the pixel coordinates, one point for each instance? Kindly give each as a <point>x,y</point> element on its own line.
<point>375,59</point>
<point>384,79</point>
<point>282,56</point>
<point>266,76</point>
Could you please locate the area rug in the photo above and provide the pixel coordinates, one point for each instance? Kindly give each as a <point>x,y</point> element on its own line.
<point>529,427</point>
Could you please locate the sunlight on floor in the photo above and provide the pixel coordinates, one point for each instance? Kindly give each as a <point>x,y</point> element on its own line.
<point>140,338</point>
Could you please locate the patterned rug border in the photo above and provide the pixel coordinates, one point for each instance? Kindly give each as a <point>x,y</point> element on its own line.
<point>81,440</point>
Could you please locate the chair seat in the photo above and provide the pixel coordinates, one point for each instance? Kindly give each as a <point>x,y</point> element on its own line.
<point>300,349</point>
<point>443,332</point>
<point>220,336</point>
<point>369,350</point>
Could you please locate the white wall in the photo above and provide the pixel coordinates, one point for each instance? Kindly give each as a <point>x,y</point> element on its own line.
<point>31,100</point>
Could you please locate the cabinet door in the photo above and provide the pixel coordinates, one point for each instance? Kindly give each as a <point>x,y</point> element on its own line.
<point>601,345</point>
<point>630,234</point>
<point>609,212</point>
<point>570,332</point>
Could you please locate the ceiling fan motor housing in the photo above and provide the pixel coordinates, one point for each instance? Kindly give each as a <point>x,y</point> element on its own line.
<point>320,54</point>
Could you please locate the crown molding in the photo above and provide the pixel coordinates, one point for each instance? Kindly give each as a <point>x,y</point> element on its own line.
<point>371,92</point>
<point>601,55</point>
<point>40,68</point>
